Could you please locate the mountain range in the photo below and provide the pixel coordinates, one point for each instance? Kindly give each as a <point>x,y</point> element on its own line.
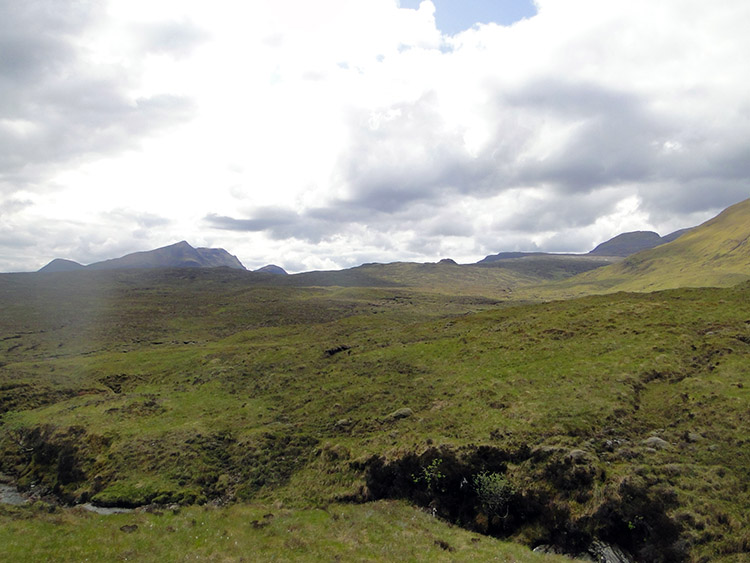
<point>178,255</point>
<point>715,253</point>
<point>539,264</point>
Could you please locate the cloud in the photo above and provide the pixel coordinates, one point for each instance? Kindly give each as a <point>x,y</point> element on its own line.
<point>175,38</point>
<point>57,106</point>
<point>319,134</point>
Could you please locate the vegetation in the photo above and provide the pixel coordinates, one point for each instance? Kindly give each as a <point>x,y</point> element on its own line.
<point>376,419</point>
<point>494,492</point>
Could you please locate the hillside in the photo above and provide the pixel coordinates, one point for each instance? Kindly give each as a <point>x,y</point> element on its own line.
<point>390,411</point>
<point>716,253</point>
<point>548,266</point>
<point>616,418</point>
<point>443,277</point>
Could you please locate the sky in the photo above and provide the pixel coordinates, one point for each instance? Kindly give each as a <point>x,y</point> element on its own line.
<point>327,134</point>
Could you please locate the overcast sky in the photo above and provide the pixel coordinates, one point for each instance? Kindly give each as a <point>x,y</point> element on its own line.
<point>321,135</point>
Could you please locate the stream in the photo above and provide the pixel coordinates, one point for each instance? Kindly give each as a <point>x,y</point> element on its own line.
<point>10,495</point>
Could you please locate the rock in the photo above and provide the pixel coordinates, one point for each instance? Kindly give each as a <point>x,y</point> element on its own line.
<point>656,443</point>
<point>605,553</point>
<point>547,549</point>
<point>598,552</point>
<point>579,457</point>
<point>693,437</point>
<point>405,412</point>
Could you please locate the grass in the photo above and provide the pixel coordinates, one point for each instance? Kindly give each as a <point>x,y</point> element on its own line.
<point>208,387</point>
<point>381,531</point>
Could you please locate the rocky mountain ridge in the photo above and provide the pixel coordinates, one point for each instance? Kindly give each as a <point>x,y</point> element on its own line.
<point>178,255</point>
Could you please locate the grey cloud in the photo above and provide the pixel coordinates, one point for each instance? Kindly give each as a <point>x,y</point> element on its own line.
<point>408,171</point>
<point>612,142</point>
<point>271,219</point>
<point>409,156</point>
<point>11,206</point>
<point>560,211</point>
<point>685,198</point>
<point>174,38</point>
<point>413,157</point>
<point>56,108</point>
<point>143,220</point>
<point>35,36</point>
<point>618,147</point>
<point>278,223</point>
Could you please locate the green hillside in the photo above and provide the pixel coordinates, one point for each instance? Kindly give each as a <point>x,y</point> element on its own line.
<point>715,254</point>
<point>443,277</point>
<point>291,418</point>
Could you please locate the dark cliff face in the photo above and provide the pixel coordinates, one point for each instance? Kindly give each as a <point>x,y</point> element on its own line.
<point>179,255</point>
<point>218,257</point>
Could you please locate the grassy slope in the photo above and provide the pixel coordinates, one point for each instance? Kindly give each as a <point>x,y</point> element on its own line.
<point>157,368</point>
<point>439,278</point>
<point>382,531</point>
<point>193,386</point>
<point>716,253</point>
<point>550,266</point>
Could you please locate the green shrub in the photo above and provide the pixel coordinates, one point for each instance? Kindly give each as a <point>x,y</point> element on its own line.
<point>494,492</point>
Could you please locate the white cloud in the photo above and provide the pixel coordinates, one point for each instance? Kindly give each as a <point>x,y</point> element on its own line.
<point>380,137</point>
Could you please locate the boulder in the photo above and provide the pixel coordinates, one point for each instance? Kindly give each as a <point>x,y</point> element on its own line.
<point>405,412</point>
<point>656,443</point>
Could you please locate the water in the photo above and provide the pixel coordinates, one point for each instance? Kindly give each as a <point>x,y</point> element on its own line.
<point>10,495</point>
<point>102,510</point>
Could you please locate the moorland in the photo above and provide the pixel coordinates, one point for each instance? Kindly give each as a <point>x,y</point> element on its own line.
<point>388,412</point>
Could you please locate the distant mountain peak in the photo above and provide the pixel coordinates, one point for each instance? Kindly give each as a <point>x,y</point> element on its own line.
<point>626,244</point>
<point>272,269</point>
<point>62,265</point>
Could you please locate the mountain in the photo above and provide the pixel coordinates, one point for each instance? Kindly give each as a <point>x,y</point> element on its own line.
<point>546,266</point>
<point>62,265</point>
<point>272,269</point>
<point>626,244</point>
<point>179,255</point>
<point>716,253</point>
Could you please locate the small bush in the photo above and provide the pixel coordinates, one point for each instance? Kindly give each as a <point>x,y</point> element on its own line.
<point>494,492</point>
